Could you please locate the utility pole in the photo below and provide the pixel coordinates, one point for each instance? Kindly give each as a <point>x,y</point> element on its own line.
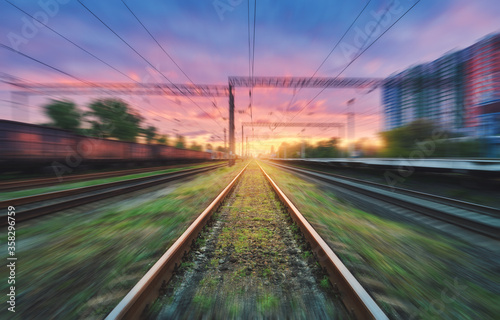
<point>350,130</point>
<point>19,100</point>
<point>225,144</point>
<point>242,141</point>
<point>350,127</point>
<point>231,126</point>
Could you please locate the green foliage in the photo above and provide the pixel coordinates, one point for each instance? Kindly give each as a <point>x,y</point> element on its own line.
<point>64,115</point>
<point>195,147</point>
<point>114,118</point>
<point>181,142</point>
<point>424,137</point>
<point>307,254</point>
<point>149,133</point>
<point>267,272</point>
<point>267,301</point>
<point>322,149</point>
<point>163,139</point>
<point>400,142</point>
<point>325,283</point>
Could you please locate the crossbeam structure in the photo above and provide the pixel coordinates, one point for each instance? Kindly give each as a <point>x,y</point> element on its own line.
<point>295,124</point>
<point>25,89</point>
<point>305,82</point>
<point>152,89</point>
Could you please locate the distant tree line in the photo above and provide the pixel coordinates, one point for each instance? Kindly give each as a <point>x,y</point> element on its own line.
<point>421,138</point>
<point>424,137</point>
<point>108,118</point>
<point>322,149</point>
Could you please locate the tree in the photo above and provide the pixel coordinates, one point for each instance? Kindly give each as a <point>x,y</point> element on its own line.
<point>400,142</point>
<point>181,142</point>
<point>113,118</point>
<point>64,115</point>
<point>163,139</point>
<point>149,133</point>
<point>195,146</point>
<point>323,149</point>
<point>326,149</point>
<point>209,147</point>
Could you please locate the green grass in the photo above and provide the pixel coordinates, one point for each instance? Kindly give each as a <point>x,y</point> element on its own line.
<point>67,260</point>
<point>306,255</point>
<point>186,265</point>
<point>209,282</point>
<point>267,302</point>
<point>74,185</point>
<point>267,272</point>
<point>203,302</point>
<point>325,283</point>
<point>418,264</point>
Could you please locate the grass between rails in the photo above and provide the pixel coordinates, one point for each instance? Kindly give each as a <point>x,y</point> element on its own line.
<point>74,185</point>
<point>80,266</point>
<point>438,275</point>
<point>252,267</point>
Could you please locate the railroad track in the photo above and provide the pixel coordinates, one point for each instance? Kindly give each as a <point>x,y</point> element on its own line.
<point>11,185</point>
<point>137,303</point>
<point>47,203</point>
<point>477,218</point>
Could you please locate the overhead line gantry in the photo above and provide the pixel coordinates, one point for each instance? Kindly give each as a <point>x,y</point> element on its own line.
<point>24,88</point>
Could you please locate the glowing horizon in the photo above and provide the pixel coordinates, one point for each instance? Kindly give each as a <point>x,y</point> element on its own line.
<point>292,39</point>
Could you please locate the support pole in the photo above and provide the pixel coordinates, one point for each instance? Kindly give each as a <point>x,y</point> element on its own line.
<point>225,143</point>
<point>19,101</point>
<point>242,141</point>
<point>350,130</point>
<point>231,126</point>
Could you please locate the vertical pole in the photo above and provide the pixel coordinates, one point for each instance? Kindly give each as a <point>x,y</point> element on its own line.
<point>231,126</point>
<point>246,148</point>
<point>225,144</point>
<point>303,149</point>
<point>242,141</point>
<point>350,125</point>
<point>19,100</point>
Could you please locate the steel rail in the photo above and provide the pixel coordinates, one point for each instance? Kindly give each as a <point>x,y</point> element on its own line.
<point>352,294</point>
<point>488,225</point>
<point>74,191</point>
<point>138,184</point>
<point>427,196</point>
<point>11,185</point>
<point>147,290</point>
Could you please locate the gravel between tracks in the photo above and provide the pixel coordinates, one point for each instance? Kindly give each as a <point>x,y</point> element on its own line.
<point>250,264</point>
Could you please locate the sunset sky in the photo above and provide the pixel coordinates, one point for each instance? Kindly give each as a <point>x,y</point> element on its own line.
<point>209,41</point>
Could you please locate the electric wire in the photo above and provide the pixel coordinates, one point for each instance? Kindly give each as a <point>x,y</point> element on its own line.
<point>145,60</point>
<point>357,56</point>
<point>168,55</point>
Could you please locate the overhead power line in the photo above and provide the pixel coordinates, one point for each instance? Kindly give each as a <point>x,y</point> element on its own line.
<point>65,38</point>
<point>89,83</point>
<point>146,60</point>
<point>78,46</point>
<point>329,54</point>
<point>166,53</point>
<point>356,57</point>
